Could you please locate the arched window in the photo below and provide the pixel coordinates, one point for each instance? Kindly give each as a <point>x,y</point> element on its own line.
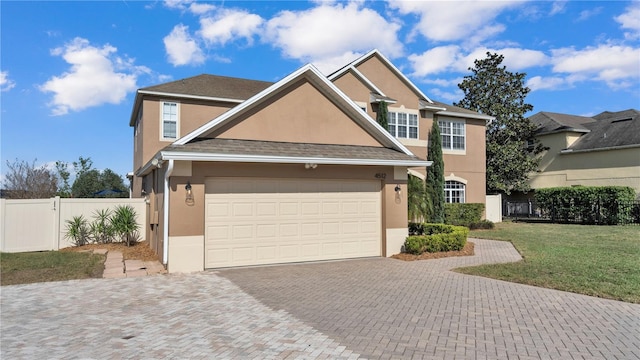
<point>454,192</point>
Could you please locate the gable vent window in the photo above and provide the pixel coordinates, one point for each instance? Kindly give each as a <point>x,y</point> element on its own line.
<point>403,125</point>
<point>169,121</point>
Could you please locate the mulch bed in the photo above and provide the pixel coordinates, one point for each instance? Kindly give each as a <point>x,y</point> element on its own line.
<point>467,250</point>
<point>138,251</point>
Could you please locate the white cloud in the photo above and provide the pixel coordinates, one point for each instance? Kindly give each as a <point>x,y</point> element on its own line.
<point>200,8</point>
<point>455,20</point>
<point>229,25</point>
<point>452,58</point>
<point>618,66</point>
<point>96,76</point>
<point>330,33</point>
<point>515,59</point>
<point>586,14</point>
<point>450,96</point>
<point>435,60</point>
<point>6,84</point>
<point>181,48</point>
<point>558,7</point>
<point>630,20</point>
<point>545,83</point>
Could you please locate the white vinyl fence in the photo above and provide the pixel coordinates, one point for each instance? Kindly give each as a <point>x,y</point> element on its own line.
<point>39,224</point>
<point>493,208</point>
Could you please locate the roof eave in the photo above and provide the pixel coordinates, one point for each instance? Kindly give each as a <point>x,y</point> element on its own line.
<point>465,115</point>
<point>622,147</point>
<point>188,96</point>
<point>223,157</point>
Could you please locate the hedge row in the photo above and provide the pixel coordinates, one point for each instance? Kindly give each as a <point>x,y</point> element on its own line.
<point>463,214</point>
<point>587,204</point>
<point>435,238</point>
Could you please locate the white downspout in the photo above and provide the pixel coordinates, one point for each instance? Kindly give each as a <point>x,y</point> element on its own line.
<point>165,250</point>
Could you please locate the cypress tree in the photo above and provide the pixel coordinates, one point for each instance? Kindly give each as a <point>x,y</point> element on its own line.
<point>435,175</point>
<point>381,116</point>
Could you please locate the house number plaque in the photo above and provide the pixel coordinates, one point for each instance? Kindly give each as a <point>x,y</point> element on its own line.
<point>381,175</point>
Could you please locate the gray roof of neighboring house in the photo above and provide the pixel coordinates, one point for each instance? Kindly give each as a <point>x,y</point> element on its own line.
<point>549,122</point>
<point>611,129</point>
<point>212,86</point>
<point>605,130</point>
<point>287,149</point>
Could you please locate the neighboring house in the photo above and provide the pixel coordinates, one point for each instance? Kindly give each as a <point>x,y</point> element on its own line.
<point>240,172</point>
<point>591,151</point>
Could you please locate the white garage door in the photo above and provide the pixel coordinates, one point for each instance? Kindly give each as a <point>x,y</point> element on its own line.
<point>254,221</point>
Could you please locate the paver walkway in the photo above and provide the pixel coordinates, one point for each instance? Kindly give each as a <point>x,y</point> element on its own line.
<point>370,308</point>
<point>115,267</point>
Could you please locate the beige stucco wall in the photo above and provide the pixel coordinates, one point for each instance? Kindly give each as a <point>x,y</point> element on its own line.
<point>620,167</point>
<point>379,74</point>
<point>300,114</point>
<point>192,114</point>
<point>469,165</point>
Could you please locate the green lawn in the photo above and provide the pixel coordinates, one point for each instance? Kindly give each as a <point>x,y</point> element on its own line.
<point>25,268</point>
<point>601,261</point>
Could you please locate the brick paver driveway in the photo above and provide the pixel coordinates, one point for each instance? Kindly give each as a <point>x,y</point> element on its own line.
<point>370,308</point>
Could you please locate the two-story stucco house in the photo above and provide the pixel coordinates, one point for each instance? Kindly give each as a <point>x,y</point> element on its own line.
<point>590,151</point>
<point>241,172</point>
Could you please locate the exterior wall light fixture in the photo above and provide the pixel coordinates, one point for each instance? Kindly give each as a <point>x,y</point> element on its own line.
<point>397,188</point>
<point>189,199</point>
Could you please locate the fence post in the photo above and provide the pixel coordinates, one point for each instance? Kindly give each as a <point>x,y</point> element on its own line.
<point>56,222</point>
<point>3,206</point>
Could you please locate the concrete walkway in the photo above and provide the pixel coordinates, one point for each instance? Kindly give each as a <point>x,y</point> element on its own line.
<point>369,308</point>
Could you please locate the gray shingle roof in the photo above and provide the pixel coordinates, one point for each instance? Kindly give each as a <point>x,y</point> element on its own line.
<point>286,149</point>
<point>212,86</point>
<point>612,129</point>
<point>548,122</point>
<point>605,130</point>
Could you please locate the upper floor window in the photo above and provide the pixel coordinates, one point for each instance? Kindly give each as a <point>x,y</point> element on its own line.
<point>403,125</point>
<point>169,120</point>
<point>454,192</point>
<point>453,134</point>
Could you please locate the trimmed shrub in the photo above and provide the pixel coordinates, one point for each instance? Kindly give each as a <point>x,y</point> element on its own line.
<point>587,204</point>
<point>482,224</point>
<point>436,238</point>
<point>463,214</point>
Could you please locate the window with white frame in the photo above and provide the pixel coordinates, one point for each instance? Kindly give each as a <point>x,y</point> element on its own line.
<point>403,125</point>
<point>453,134</point>
<point>169,120</point>
<point>454,192</point>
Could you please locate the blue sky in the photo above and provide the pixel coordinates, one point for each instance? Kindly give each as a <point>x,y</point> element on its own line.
<point>69,70</point>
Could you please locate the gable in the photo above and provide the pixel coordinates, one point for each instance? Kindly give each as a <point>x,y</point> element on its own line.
<point>353,87</point>
<point>301,113</point>
<point>389,82</point>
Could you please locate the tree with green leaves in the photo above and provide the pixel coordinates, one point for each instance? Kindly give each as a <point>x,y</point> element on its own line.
<point>435,175</point>
<point>417,199</point>
<point>382,115</point>
<point>494,91</point>
<point>89,181</point>
<point>64,189</point>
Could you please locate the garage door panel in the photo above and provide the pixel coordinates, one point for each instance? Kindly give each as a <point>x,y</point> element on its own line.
<point>267,221</point>
<point>309,229</point>
<point>289,230</point>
